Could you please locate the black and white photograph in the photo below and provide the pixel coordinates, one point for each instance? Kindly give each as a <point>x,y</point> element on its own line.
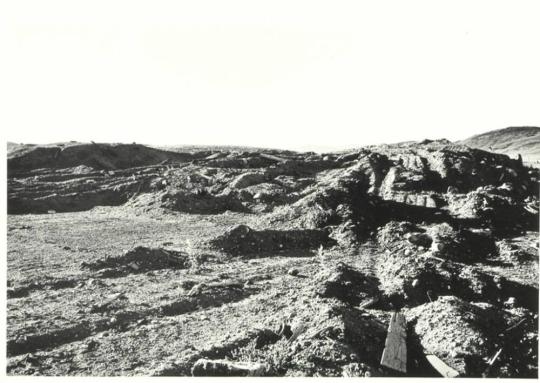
<point>284,189</point>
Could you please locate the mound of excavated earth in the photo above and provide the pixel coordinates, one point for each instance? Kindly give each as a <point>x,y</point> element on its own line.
<point>415,259</point>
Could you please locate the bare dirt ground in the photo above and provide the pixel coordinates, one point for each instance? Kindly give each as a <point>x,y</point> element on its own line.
<point>276,264</point>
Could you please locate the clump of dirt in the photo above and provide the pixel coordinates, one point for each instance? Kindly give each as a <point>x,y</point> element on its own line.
<point>406,277</point>
<point>243,240</point>
<point>141,259</point>
<point>393,234</point>
<point>504,214</point>
<point>461,245</point>
<point>305,215</point>
<point>346,284</point>
<point>265,193</point>
<point>513,253</point>
<point>442,240</point>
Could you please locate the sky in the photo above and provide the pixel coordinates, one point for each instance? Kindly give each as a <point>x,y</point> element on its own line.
<point>288,74</point>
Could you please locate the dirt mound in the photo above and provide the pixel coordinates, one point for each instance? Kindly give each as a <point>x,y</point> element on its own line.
<point>394,233</point>
<point>97,156</point>
<point>406,277</point>
<point>265,193</point>
<point>347,284</point>
<point>304,214</point>
<point>339,198</point>
<point>141,259</point>
<point>248,179</point>
<point>243,240</point>
<point>326,339</point>
<point>441,239</point>
<point>76,189</point>
<point>465,336</point>
<point>200,202</point>
<point>502,213</point>
<point>516,253</point>
<point>461,245</point>
<point>411,273</point>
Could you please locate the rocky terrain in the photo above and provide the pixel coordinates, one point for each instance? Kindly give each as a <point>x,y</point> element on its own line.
<point>129,260</point>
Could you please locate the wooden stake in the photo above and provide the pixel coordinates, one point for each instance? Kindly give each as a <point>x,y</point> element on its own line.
<point>485,374</point>
<point>443,369</point>
<point>395,349</point>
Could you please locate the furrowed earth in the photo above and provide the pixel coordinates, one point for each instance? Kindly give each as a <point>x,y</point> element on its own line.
<point>130,260</point>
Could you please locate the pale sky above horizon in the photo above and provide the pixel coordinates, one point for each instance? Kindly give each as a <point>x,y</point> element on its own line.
<point>288,74</point>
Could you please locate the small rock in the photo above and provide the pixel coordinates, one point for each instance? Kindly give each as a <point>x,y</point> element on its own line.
<point>91,346</point>
<point>116,296</point>
<point>510,302</point>
<point>196,290</point>
<point>134,266</point>
<point>293,272</point>
<point>31,360</point>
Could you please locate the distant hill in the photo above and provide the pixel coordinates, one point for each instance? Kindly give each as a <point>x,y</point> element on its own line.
<point>24,157</point>
<point>524,140</point>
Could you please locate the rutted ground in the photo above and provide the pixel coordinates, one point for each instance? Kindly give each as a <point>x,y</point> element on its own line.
<point>271,263</point>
